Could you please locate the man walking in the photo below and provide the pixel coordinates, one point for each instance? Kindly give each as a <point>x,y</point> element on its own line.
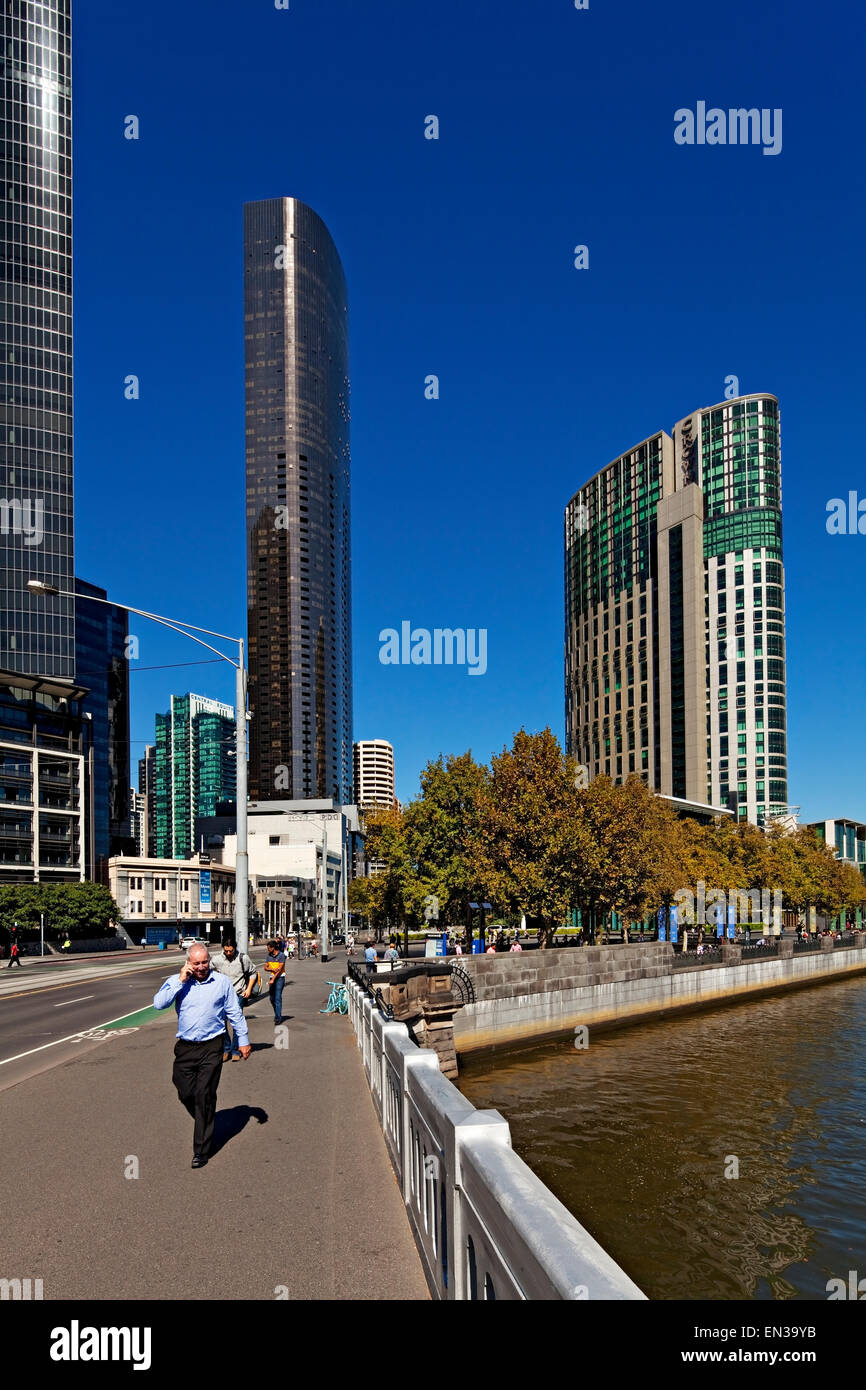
<point>14,956</point>
<point>203,1001</point>
<point>242,973</point>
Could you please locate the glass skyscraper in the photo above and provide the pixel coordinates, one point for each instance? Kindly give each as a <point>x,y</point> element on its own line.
<point>102,666</point>
<point>195,769</point>
<point>675,618</point>
<point>298,506</point>
<point>36,638</point>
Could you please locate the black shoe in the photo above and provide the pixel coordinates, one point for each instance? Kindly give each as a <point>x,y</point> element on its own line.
<point>198,1161</point>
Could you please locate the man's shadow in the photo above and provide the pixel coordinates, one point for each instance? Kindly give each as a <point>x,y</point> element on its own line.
<point>229,1123</point>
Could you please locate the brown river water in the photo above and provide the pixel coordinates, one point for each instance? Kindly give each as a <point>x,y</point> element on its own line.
<point>635,1134</point>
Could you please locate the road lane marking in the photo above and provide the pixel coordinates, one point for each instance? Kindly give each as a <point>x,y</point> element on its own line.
<point>67,1002</point>
<point>70,984</point>
<point>70,1037</point>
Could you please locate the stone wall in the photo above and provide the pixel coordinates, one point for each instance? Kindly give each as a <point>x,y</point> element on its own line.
<point>541,993</point>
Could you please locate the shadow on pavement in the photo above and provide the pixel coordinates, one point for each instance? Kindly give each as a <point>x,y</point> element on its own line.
<point>229,1124</point>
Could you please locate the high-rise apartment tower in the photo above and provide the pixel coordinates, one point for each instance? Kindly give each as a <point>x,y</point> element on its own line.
<point>374,773</point>
<point>675,617</point>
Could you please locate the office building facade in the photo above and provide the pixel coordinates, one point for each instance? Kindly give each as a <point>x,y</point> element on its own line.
<point>195,769</point>
<point>298,505</point>
<point>193,895</point>
<point>36,485</point>
<point>44,772</point>
<point>102,666</point>
<point>147,791</point>
<point>847,837</point>
<point>675,619</point>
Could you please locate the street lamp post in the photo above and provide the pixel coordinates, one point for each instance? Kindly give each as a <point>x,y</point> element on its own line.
<point>38,586</point>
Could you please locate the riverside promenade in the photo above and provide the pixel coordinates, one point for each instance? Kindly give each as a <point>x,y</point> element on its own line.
<point>299,1200</point>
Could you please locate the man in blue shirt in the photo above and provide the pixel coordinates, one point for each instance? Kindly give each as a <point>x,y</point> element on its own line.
<point>203,1000</point>
<point>370,957</point>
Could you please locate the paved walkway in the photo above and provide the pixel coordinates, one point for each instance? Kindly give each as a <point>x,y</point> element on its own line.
<point>300,1196</point>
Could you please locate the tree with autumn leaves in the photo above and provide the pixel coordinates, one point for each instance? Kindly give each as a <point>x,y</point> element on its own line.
<point>523,836</point>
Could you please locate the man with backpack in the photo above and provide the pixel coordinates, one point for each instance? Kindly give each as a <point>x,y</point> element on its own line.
<point>243,975</point>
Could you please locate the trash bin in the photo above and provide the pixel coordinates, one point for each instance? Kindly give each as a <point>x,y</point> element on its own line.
<point>162,945</point>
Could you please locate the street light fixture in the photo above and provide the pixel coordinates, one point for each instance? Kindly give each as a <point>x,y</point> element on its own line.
<point>40,587</point>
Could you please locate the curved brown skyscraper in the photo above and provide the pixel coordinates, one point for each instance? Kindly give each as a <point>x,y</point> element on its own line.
<point>298,505</point>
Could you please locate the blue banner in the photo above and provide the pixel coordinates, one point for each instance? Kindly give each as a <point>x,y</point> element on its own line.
<point>661,924</point>
<point>204,890</point>
<point>674,936</point>
<point>732,921</point>
<point>720,920</point>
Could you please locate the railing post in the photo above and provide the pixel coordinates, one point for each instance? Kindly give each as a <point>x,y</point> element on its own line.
<point>488,1125</point>
<point>423,1059</point>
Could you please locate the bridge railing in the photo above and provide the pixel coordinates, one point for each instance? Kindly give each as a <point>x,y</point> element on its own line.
<point>486,1226</point>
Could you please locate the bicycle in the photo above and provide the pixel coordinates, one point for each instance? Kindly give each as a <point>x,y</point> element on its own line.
<point>338,999</point>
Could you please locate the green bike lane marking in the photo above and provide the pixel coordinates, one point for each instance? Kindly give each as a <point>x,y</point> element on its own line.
<point>135,1020</point>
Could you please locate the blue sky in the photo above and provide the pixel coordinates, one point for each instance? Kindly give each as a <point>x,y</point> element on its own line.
<point>556,128</point>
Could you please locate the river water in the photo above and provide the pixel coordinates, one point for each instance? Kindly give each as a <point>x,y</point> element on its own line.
<point>635,1133</point>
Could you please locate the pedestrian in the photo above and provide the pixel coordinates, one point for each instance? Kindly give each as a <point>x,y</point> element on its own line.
<point>203,1001</point>
<point>350,945</point>
<point>392,955</point>
<point>275,965</point>
<point>243,974</point>
<point>515,945</point>
<point>14,956</point>
<point>370,957</point>
<point>144,943</point>
<point>458,949</point>
<point>67,945</point>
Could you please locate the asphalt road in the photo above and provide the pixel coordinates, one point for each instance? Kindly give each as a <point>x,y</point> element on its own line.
<point>43,1011</point>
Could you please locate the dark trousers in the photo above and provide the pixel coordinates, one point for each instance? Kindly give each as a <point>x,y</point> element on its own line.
<point>13,960</point>
<point>196,1075</point>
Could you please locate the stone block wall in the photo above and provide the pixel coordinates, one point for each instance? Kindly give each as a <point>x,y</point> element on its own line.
<point>542,972</point>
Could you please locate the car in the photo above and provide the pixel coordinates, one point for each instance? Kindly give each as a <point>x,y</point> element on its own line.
<point>192,941</point>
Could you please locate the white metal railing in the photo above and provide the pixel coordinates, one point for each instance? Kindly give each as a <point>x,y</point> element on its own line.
<point>486,1226</point>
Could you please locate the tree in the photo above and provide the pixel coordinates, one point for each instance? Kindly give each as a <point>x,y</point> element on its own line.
<point>81,909</point>
<point>625,853</point>
<point>440,826</point>
<point>396,893</point>
<point>521,843</point>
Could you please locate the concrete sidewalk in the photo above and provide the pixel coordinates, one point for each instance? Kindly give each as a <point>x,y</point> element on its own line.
<point>299,1197</point>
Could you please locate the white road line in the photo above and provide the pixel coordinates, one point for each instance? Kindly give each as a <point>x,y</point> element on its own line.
<point>70,1037</point>
<point>67,1002</point>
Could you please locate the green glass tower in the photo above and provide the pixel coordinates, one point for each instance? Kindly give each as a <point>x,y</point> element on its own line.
<point>195,769</point>
<point>675,619</point>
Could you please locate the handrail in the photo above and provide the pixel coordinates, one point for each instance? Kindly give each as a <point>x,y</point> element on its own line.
<point>485,1225</point>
